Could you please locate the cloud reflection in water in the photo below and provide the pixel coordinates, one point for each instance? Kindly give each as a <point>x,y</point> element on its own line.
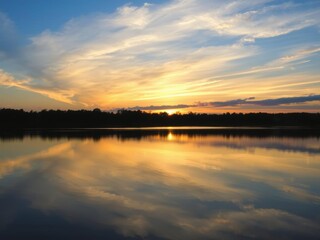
<point>173,187</point>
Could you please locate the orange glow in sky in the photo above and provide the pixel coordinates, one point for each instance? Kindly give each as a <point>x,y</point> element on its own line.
<point>200,56</point>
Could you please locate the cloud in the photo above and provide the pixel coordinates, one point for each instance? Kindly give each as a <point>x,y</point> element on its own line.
<point>300,54</point>
<point>6,79</point>
<point>227,103</point>
<point>288,100</point>
<point>161,107</point>
<point>265,102</point>
<point>232,103</point>
<point>140,54</point>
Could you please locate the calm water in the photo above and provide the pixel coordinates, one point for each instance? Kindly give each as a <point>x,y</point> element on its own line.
<point>160,184</point>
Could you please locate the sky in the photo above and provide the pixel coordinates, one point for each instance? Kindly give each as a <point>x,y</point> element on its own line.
<point>175,55</point>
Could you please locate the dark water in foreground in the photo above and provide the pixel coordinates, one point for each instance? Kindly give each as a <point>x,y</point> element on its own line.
<point>160,184</point>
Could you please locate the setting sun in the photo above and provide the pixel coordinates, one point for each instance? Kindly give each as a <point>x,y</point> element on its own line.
<point>171,111</point>
<point>159,119</point>
<point>203,56</point>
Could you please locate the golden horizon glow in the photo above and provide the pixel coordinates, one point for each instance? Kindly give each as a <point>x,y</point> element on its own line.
<point>176,53</point>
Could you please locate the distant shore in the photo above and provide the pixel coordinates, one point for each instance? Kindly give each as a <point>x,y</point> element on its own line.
<point>19,119</point>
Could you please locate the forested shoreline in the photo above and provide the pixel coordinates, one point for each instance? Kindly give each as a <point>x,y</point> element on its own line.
<point>19,118</point>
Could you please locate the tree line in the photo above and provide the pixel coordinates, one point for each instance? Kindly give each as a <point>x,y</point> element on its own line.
<point>14,118</point>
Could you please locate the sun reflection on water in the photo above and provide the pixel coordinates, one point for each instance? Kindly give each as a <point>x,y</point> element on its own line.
<point>173,187</point>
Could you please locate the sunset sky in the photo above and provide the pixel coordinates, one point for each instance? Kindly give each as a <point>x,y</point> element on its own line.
<point>176,55</point>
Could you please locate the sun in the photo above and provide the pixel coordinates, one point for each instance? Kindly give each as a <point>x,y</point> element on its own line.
<point>171,111</point>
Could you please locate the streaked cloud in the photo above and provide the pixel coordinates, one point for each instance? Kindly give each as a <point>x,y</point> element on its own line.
<point>6,79</point>
<point>234,102</point>
<point>266,102</point>
<point>162,107</point>
<point>163,54</point>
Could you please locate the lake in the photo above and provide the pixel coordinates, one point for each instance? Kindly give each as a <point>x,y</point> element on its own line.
<point>168,183</point>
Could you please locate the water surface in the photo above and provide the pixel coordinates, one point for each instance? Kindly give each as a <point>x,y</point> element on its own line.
<point>160,184</point>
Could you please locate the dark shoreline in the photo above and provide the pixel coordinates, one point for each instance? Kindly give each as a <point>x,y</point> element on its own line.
<point>20,119</point>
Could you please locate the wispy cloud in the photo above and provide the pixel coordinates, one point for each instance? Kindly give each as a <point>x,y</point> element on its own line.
<point>6,79</point>
<point>159,54</point>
